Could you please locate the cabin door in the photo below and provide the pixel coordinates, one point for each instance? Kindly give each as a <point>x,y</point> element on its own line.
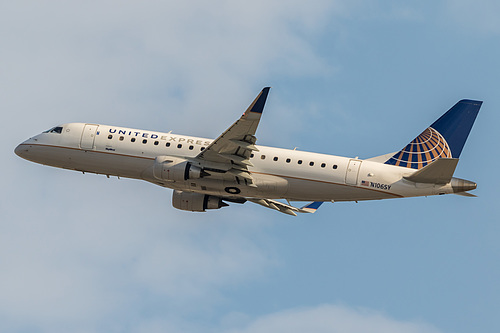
<point>351,176</point>
<point>88,136</point>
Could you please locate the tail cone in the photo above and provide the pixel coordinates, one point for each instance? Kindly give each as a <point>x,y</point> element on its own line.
<point>462,185</point>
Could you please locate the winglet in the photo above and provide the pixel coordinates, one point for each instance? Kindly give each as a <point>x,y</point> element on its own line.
<point>258,104</point>
<point>311,207</point>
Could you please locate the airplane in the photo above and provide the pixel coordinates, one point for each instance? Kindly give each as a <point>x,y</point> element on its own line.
<point>208,174</point>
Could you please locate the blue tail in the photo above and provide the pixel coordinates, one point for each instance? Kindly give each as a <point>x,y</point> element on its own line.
<point>444,138</point>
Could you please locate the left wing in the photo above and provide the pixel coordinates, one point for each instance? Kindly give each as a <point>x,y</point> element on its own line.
<point>234,146</point>
<point>287,209</point>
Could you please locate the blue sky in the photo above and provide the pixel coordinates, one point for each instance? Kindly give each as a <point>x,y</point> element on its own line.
<point>82,253</point>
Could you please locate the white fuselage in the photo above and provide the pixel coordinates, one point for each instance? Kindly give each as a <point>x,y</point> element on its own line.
<point>278,173</point>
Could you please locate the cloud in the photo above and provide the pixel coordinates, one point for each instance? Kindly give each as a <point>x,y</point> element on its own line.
<point>474,16</point>
<point>327,318</point>
<point>146,64</point>
<point>332,319</point>
<point>67,266</point>
<point>170,60</point>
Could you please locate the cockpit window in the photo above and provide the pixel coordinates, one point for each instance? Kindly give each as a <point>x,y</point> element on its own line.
<point>57,129</point>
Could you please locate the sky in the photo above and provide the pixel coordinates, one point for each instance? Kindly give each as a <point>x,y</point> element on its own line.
<point>83,253</point>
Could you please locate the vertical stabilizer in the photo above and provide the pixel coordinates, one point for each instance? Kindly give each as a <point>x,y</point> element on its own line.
<point>445,138</point>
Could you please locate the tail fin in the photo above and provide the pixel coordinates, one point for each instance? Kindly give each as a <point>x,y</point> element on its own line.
<point>445,138</point>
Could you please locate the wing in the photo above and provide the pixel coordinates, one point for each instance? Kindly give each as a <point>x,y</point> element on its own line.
<point>287,209</point>
<point>234,146</point>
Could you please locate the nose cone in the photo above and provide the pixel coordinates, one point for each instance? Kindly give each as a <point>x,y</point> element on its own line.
<point>23,150</point>
<point>20,150</point>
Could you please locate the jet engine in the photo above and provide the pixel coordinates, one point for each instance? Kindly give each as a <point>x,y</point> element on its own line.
<point>196,202</point>
<point>176,169</point>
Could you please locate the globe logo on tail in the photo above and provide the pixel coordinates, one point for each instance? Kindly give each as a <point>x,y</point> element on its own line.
<point>423,150</point>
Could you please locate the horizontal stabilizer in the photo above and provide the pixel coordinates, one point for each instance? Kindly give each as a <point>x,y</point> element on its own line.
<point>438,172</point>
<point>466,194</point>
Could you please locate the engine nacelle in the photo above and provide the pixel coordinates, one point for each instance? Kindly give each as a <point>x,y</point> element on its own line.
<point>196,202</point>
<point>175,169</point>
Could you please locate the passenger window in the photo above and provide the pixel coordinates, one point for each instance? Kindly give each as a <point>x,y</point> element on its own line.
<point>335,166</point>
<point>275,159</point>
<point>263,157</point>
<point>191,147</point>
<point>299,162</point>
<point>179,145</point>
<point>121,138</point>
<point>167,144</point>
<point>110,136</point>
<point>156,143</point>
<point>132,140</point>
<point>144,141</point>
<point>323,165</point>
<point>288,160</point>
<point>311,163</point>
<point>251,155</point>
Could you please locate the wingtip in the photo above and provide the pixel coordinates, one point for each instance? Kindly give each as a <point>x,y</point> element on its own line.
<point>311,207</point>
<point>471,101</point>
<point>260,101</point>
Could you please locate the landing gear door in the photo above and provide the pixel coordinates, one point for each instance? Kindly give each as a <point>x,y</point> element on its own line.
<point>88,136</point>
<point>351,176</point>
